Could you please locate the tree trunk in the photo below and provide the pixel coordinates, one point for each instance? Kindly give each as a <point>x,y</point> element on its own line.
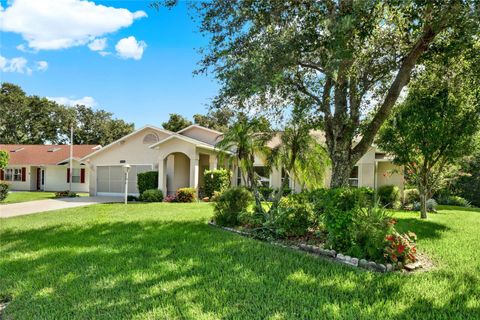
<point>341,166</point>
<point>423,205</point>
<point>253,186</point>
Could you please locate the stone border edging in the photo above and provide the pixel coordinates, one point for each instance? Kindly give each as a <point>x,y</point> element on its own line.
<point>330,254</point>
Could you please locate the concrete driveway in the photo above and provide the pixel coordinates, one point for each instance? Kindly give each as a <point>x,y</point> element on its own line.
<point>23,208</point>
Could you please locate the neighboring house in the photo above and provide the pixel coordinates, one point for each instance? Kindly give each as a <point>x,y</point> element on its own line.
<point>181,159</point>
<point>46,167</point>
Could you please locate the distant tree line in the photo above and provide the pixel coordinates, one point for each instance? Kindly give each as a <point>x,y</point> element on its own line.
<point>216,119</point>
<point>36,120</point>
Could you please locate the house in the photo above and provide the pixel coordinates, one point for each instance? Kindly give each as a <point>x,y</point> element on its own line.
<point>46,167</point>
<point>182,157</point>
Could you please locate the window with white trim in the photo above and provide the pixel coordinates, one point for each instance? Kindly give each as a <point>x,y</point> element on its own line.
<point>17,174</point>
<point>8,174</point>
<point>286,177</point>
<point>76,175</point>
<point>353,180</point>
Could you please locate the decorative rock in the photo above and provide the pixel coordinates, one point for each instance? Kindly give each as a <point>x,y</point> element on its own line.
<point>354,262</point>
<point>413,266</point>
<point>340,257</point>
<point>363,263</point>
<point>372,265</point>
<point>381,267</point>
<point>389,267</point>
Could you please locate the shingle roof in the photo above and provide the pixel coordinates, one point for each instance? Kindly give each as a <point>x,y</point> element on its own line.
<point>34,154</point>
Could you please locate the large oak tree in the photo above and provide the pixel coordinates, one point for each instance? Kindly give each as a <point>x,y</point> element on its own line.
<point>348,59</point>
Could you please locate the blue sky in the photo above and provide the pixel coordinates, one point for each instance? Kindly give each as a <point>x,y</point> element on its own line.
<point>138,87</point>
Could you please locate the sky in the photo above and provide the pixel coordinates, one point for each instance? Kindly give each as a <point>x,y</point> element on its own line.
<point>120,56</point>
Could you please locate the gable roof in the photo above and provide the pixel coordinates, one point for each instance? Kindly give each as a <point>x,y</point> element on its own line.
<point>199,127</point>
<point>34,154</point>
<point>126,137</point>
<point>196,142</point>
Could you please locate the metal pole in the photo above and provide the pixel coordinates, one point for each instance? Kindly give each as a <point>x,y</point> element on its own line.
<point>126,186</point>
<point>71,159</point>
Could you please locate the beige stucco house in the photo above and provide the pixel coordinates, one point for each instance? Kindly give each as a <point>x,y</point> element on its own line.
<point>182,157</point>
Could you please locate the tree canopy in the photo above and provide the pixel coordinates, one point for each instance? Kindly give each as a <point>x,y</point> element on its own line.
<point>347,59</point>
<point>176,122</point>
<point>36,120</point>
<point>434,127</point>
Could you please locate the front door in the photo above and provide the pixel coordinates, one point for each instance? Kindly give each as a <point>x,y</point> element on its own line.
<point>38,178</point>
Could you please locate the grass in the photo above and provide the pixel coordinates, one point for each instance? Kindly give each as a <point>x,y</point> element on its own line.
<point>161,261</point>
<point>24,196</point>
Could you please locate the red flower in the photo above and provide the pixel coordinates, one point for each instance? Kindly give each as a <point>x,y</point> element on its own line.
<point>389,237</point>
<point>400,248</point>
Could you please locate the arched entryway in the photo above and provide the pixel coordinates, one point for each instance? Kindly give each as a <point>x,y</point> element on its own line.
<point>178,172</point>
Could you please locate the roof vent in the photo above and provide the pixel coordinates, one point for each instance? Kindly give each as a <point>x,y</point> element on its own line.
<point>17,150</point>
<point>53,149</point>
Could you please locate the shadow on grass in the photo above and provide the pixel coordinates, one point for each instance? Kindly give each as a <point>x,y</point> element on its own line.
<point>425,229</point>
<point>183,270</point>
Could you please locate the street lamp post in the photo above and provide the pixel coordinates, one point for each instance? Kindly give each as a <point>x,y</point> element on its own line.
<point>126,169</point>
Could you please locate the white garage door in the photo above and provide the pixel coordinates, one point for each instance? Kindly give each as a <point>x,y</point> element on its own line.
<point>111,179</point>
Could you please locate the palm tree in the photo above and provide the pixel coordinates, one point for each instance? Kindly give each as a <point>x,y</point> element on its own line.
<point>245,139</point>
<point>300,155</point>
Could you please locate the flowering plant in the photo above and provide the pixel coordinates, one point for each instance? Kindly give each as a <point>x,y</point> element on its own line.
<point>400,247</point>
<point>170,198</point>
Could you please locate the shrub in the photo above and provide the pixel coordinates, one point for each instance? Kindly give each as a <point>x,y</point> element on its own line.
<point>389,196</point>
<point>341,206</point>
<point>410,196</point>
<point>372,225</point>
<point>186,195</point>
<point>400,247</point>
<point>4,187</point>
<point>266,192</point>
<point>431,205</point>
<point>293,216</point>
<point>152,195</point>
<point>132,198</point>
<point>229,205</point>
<point>65,194</point>
<point>147,181</point>
<point>216,180</point>
<point>453,201</point>
<point>170,198</point>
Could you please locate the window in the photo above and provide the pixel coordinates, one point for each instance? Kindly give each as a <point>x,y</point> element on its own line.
<point>150,138</point>
<point>353,180</point>
<point>239,177</point>
<point>262,175</point>
<point>76,175</point>
<point>17,174</point>
<point>285,177</point>
<point>8,174</point>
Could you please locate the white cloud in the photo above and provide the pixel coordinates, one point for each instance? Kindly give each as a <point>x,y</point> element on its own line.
<point>130,48</point>
<point>17,64</point>
<point>104,53</point>
<point>59,24</point>
<point>86,101</point>
<point>42,65</point>
<point>98,44</point>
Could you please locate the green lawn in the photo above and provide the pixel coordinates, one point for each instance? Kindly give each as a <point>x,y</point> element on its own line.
<point>24,196</point>
<point>161,261</point>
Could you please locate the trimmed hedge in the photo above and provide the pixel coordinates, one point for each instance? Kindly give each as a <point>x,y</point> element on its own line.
<point>152,195</point>
<point>216,180</point>
<point>147,181</point>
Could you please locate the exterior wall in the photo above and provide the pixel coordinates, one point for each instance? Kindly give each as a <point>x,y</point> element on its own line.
<point>22,185</point>
<point>132,150</point>
<point>181,173</point>
<point>390,174</point>
<point>201,135</point>
<point>56,179</point>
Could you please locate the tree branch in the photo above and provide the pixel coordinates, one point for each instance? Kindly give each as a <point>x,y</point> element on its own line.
<point>401,79</point>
